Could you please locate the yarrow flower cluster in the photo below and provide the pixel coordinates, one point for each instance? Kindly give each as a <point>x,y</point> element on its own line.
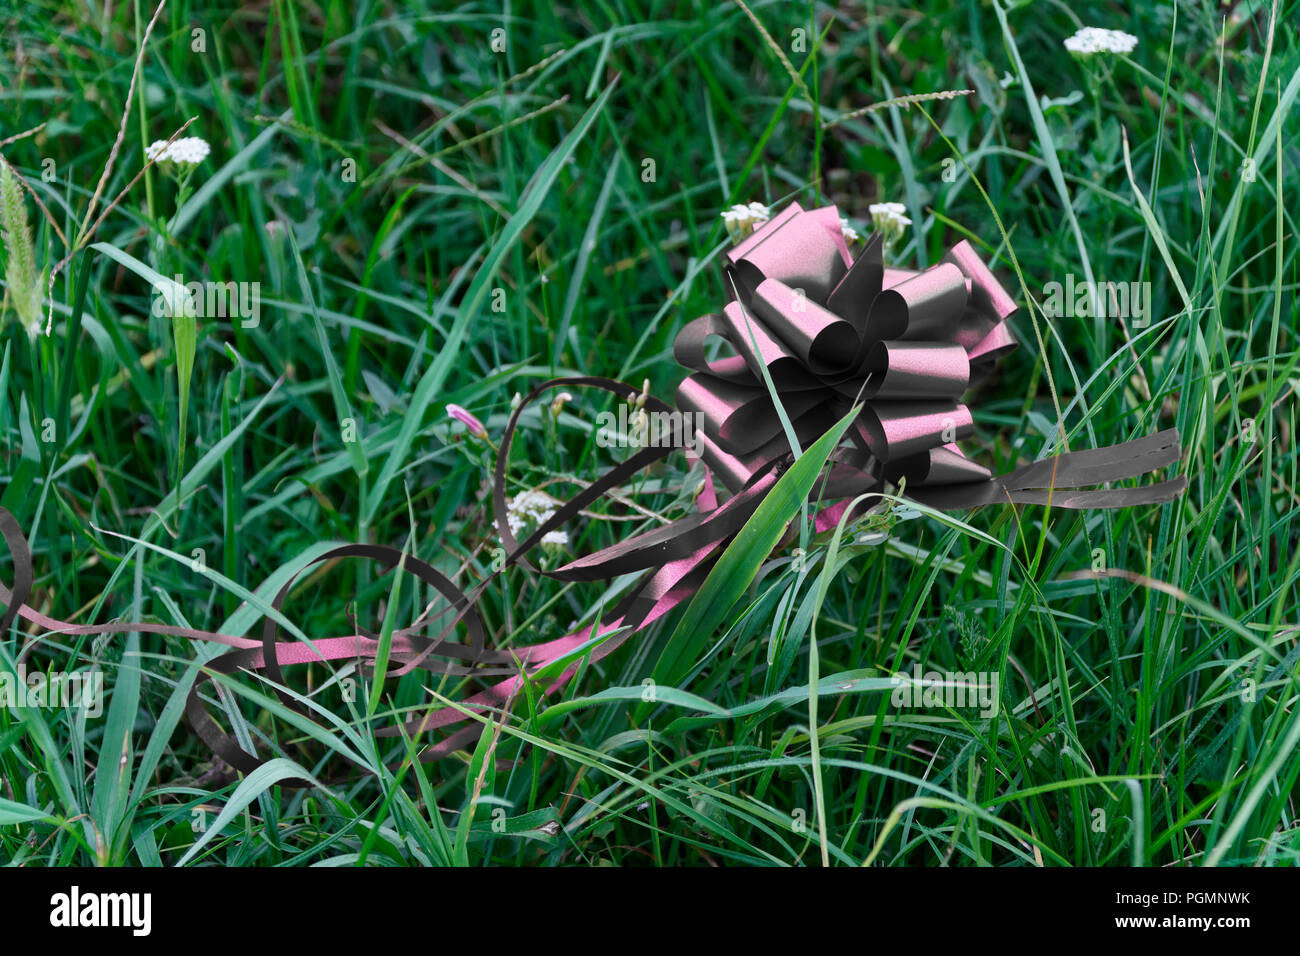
<point>534,507</point>
<point>185,153</point>
<point>1090,40</point>
<point>889,219</point>
<point>530,506</point>
<point>742,220</point>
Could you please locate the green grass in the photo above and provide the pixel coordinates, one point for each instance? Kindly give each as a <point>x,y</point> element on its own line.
<point>432,221</point>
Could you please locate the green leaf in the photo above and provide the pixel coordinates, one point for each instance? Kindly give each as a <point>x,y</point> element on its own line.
<point>185,331</point>
<point>673,696</point>
<point>740,562</point>
<point>22,480</point>
<point>255,784</point>
<point>12,813</point>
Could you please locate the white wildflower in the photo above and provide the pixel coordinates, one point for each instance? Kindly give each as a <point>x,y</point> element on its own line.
<point>850,234</point>
<point>888,219</point>
<point>189,151</point>
<point>558,403</point>
<point>1090,40</point>
<point>185,153</point>
<point>531,509</point>
<point>889,209</point>
<point>531,506</point>
<point>742,220</point>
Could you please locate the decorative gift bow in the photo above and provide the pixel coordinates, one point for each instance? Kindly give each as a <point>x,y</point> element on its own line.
<point>825,333</point>
<point>828,331</point>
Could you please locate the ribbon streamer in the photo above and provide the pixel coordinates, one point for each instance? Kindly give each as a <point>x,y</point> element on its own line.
<point>829,333</point>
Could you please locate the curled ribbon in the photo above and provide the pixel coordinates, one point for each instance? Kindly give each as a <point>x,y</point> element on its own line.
<point>828,333</point>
